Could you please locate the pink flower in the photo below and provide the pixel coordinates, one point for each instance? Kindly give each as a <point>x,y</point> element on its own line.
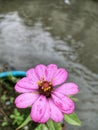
<point>40,91</point>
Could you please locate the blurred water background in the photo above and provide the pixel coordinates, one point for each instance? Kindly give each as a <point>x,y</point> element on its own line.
<point>55,31</point>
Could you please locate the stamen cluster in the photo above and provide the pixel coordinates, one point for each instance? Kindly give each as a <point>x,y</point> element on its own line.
<point>45,88</point>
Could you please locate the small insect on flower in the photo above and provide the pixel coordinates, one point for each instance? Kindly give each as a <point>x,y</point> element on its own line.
<point>45,91</point>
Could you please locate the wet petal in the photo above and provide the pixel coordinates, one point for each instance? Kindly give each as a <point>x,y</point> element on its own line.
<point>60,76</point>
<point>55,113</point>
<point>31,74</point>
<point>46,115</point>
<point>25,100</point>
<point>68,89</point>
<point>41,71</point>
<point>51,69</point>
<point>25,83</point>
<point>64,103</point>
<point>38,109</point>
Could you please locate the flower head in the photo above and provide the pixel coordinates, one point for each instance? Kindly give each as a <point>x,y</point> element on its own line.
<point>43,89</point>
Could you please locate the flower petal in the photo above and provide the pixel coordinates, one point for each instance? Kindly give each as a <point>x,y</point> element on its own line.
<point>41,71</point>
<point>25,100</point>
<point>31,74</point>
<point>55,113</point>
<point>26,84</point>
<point>38,109</point>
<point>64,103</point>
<point>68,89</point>
<point>46,115</point>
<point>22,90</point>
<point>51,69</point>
<point>60,76</point>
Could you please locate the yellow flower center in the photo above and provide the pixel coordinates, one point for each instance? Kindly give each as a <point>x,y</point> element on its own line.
<point>45,88</point>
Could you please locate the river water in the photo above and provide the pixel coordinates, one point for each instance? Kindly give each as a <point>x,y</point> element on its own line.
<point>55,31</point>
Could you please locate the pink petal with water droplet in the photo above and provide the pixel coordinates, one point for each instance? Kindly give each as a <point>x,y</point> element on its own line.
<point>25,100</point>
<point>41,71</point>
<point>60,76</point>
<point>64,103</point>
<point>38,109</point>
<point>68,89</point>
<point>55,113</point>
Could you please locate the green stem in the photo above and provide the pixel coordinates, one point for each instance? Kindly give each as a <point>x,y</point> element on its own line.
<point>28,119</point>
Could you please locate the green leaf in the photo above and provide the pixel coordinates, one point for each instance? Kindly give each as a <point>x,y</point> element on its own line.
<point>28,119</point>
<point>72,119</point>
<point>74,99</point>
<point>53,125</point>
<point>41,127</point>
<point>12,78</point>
<point>3,97</point>
<point>4,124</point>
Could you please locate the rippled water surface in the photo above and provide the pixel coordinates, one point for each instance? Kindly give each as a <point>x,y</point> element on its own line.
<point>52,31</point>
